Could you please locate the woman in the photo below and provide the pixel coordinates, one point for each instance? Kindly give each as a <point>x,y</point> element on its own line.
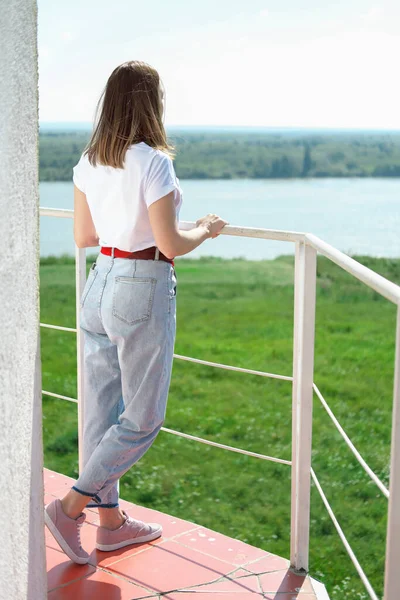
<point>127,200</point>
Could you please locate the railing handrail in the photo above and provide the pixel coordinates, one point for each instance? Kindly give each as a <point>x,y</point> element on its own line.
<point>382,285</point>
<point>385,287</point>
<point>307,246</point>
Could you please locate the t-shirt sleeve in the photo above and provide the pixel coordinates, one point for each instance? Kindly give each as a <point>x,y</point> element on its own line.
<point>78,175</point>
<point>160,180</point>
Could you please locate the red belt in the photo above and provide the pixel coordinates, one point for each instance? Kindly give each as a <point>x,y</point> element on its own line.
<point>145,254</point>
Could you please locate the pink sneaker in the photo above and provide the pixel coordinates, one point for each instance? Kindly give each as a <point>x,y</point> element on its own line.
<point>131,531</point>
<point>66,530</point>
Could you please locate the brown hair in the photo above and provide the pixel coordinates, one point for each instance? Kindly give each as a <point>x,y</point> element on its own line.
<point>132,112</point>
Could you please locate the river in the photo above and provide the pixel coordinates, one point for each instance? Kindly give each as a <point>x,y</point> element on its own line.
<point>357,216</point>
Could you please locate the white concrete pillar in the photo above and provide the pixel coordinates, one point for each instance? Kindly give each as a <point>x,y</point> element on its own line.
<point>22,548</point>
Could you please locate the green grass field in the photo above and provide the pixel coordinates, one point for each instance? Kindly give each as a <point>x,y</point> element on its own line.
<point>240,313</point>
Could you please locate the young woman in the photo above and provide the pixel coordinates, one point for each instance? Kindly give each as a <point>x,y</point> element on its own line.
<point>127,200</point>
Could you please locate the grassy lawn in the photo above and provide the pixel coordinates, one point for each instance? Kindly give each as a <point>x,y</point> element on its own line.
<point>240,313</point>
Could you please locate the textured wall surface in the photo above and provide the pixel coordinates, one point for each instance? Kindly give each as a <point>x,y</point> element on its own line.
<point>22,550</point>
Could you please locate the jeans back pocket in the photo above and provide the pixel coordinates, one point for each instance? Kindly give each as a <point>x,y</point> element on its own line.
<point>133,298</point>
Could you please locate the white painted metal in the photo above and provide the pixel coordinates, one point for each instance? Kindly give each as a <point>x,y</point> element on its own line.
<point>392,571</point>
<point>230,368</point>
<point>319,589</point>
<point>380,284</point>
<point>387,288</point>
<point>44,393</point>
<point>65,213</point>
<point>302,392</point>
<point>253,232</point>
<point>197,439</point>
<point>346,544</point>
<point>80,280</point>
<point>231,448</point>
<point>197,360</point>
<point>350,444</point>
<point>307,246</point>
<point>73,329</point>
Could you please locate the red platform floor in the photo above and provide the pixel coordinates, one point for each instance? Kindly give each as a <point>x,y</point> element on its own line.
<point>188,562</point>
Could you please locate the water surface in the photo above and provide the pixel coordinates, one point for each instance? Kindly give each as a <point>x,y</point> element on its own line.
<point>357,216</point>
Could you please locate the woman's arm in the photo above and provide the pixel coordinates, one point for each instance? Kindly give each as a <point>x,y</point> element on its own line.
<point>85,233</point>
<point>169,239</point>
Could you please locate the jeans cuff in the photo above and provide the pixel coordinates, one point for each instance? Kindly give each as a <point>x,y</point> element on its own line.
<point>110,505</point>
<point>95,497</point>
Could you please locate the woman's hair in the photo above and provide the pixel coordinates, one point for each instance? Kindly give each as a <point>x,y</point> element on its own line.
<point>132,112</point>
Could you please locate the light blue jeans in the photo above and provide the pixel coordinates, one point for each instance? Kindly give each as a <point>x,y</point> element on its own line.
<point>128,322</point>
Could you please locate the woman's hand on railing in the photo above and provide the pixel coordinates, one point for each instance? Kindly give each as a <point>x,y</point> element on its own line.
<point>213,223</point>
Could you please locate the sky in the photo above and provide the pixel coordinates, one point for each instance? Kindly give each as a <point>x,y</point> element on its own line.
<point>276,63</point>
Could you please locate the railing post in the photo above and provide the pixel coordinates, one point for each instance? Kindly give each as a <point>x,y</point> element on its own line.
<point>392,573</point>
<point>80,280</point>
<point>302,396</point>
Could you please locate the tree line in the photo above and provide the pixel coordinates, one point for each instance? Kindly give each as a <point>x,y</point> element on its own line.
<point>235,155</point>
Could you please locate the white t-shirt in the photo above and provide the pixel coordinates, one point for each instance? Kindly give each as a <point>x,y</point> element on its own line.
<point>118,198</point>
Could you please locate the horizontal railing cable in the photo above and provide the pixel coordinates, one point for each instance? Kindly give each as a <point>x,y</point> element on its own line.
<point>65,213</point>
<point>350,444</point>
<point>196,439</point>
<point>199,361</point>
<point>231,448</point>
<point>231,368</point>
<point>73,329</point>
<point>342,536</point>
<point>59,396</point>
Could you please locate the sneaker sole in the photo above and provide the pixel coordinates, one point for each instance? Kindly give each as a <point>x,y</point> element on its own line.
<point>142,539</point>
<point>61,541</point>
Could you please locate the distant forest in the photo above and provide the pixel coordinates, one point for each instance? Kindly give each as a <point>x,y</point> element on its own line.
<point>235,155</point>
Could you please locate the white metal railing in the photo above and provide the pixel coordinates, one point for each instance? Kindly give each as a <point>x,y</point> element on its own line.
<point>306,247</point>
<point>350,444</point>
